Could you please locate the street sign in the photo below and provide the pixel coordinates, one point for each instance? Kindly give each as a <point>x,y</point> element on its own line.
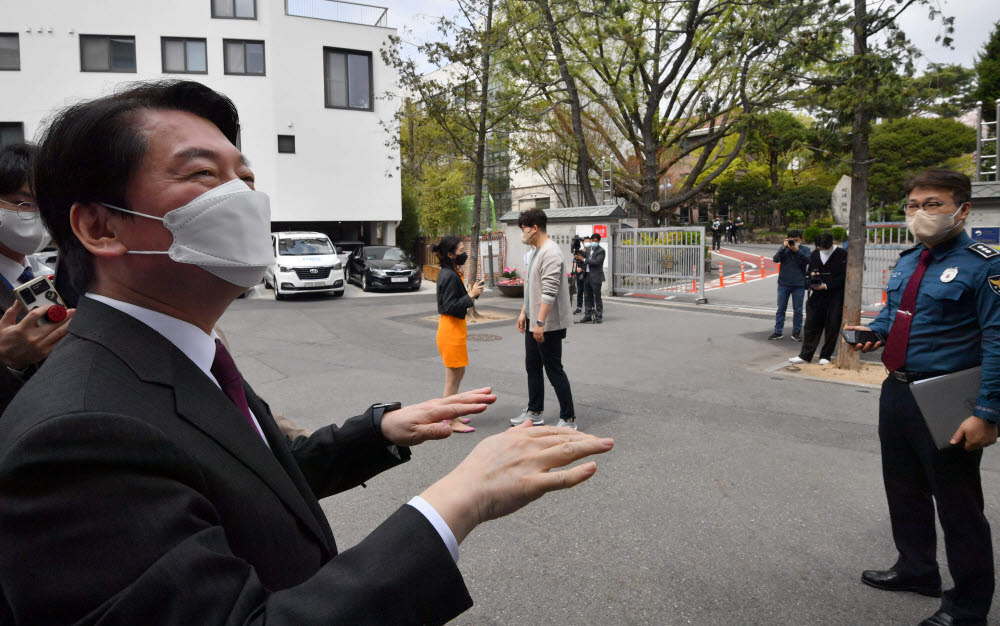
<point>602,230</point>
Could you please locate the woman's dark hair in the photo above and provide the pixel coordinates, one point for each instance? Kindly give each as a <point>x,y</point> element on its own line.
<point>90,151</point>
<point>956,182</point>
<point>447,245</point>
<point>823,240</point>
<point>533,217</point>
<point>15,166</point>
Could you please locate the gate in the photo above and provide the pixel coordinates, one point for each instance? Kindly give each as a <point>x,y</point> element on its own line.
<point>885,241</point>
<point>658,261</point>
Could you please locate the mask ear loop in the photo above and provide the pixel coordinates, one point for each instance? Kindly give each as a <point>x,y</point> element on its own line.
<point>152,217</point>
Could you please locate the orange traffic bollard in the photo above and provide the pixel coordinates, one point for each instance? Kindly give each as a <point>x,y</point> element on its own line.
<point>743,276</point>
<point>883,287</point>
<point>694,278</point>
<point>721,281</point>
<point>762,274</point>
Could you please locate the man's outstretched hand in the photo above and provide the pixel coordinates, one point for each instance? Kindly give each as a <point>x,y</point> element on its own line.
<point>507,471</point>
<point>417,423</point>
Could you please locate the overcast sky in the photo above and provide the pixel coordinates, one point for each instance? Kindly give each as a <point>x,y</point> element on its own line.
<point>974,21</point>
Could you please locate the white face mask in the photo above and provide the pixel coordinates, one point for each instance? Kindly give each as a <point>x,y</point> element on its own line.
<point>526,237</point>
<point>932,229</point>
<point>225,231</point>
<point>23,236</point>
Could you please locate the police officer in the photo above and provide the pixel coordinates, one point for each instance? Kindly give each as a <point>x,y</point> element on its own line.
<point>716,233</point>
<point>740,237</point>
<point>942,316</point>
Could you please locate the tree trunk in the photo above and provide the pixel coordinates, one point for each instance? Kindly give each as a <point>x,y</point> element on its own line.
<point>582,154</point>
<point>847,358</point>
<point>477,200</point>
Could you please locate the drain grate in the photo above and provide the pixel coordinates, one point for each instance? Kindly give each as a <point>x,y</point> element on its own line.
<point>483,337</point>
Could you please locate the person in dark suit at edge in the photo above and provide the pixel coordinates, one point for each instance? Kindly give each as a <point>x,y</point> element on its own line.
<point>23,342</point>
<point>593,278</point>
<point>142,479</point>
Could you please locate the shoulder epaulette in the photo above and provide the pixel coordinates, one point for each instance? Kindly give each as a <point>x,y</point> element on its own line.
<point>983,250</point>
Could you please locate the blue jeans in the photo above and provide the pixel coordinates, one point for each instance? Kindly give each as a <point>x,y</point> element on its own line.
<point>797,294</point>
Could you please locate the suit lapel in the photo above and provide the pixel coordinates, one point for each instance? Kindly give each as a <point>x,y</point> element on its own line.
<point>197,399</point>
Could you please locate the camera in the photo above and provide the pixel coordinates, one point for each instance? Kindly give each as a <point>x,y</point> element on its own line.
<point>577,245</point>
<point>40,292</point>
<point>792,242</point>
<point>815,279</point>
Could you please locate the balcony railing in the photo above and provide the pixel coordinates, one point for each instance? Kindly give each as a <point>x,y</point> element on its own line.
<point>336,11</point>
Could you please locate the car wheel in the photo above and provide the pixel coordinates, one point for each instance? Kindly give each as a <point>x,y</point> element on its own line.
<point>364,283</point>
<point>337,294</point>
<point>415,287</point>
<point>347,276</point>
<point>277,293</point>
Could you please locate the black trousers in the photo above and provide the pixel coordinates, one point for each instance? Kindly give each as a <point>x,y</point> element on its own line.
<point>917,475</point>
<point>581,285</point>
<point>716,241</point>
<point>824,313</point>
<point>548,356</point>
<point>592,291</point>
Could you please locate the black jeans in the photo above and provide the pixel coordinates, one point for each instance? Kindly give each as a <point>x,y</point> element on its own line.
<point>824,312</point>
<point>917,475</point>
<point>580,287</point>
<point>594,302</point>
<point>548,356</point>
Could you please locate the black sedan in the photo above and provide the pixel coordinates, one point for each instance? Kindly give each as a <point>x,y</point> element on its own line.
<point>382,267</point>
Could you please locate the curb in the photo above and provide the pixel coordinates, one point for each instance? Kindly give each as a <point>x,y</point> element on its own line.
<point>777,369</point>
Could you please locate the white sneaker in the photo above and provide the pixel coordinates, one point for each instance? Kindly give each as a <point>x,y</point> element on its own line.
<point>797,360</point>
<point>564,424</point>
<point>536,418</point>
<point>824,361</point>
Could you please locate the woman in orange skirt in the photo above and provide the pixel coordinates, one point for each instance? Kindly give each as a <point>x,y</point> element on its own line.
<point>453,302</point>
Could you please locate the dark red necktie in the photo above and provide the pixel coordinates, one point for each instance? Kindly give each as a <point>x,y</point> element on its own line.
<point>224,370</point>
<point>894,355</point>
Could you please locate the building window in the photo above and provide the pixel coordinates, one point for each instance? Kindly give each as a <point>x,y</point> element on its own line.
<point>348,79</point>
<point>286,144</point>
<point>10,51</point>
<point>542,203</point>
<point>235,9</point>
<point>107,53</point>
<point>11,132</point>
<point>243,57</point>
<point>184,56</point>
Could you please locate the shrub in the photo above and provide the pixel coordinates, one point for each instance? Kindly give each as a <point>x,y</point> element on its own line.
<point>811,233</point>
<point>839,234</point>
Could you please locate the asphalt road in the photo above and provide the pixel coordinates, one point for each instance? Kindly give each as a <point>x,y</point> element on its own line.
<point>733,496</point>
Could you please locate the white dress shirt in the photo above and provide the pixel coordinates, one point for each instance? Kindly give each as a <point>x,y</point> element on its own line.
<point>12,270</point>
<point>824,255</point>
<point>200,348</point>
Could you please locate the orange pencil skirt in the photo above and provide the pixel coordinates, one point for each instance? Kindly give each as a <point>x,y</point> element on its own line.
<point>451,340</point>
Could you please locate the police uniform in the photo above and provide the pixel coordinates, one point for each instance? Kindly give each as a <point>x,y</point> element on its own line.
<point>955,326</point>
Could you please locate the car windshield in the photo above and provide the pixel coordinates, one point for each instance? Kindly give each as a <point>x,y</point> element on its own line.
<point>384,253</point>
<point>304,245</point>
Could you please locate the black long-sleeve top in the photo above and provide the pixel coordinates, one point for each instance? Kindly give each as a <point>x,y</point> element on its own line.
<point>452,296</point>
<point>834,271</point>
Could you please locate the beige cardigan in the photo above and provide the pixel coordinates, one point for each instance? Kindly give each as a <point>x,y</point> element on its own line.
<point>547,282</point>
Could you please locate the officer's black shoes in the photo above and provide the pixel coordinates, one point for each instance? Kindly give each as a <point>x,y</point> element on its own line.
<point>941,618</point>
<point>597,320</point>
<point>796,337</point>
<point>774,336</point>
<point>891,580</point>
<point>586,319</point>
<point>577,311</point>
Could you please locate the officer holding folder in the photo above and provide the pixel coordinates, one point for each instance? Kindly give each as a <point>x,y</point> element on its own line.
<point>942,316</point>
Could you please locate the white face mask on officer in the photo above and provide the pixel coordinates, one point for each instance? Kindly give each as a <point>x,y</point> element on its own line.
<point>932,228</point>
<point>225,231</point>
<point>22,231</point>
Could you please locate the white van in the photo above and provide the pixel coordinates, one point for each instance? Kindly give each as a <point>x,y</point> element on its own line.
<point>304,262</point>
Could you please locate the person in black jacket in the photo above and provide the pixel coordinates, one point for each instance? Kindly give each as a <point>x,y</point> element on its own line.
<point>453,303</point>
<point>827,274</point>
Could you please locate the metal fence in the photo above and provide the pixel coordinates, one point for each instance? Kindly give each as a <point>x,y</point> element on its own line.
<point>885,241</point>
<point>658,261</point>
<point>337,11</point>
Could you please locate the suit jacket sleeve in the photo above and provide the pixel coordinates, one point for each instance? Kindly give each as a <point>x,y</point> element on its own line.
<point>88,492</point>
<point>597,259</point>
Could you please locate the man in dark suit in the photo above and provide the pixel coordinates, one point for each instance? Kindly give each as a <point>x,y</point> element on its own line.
<point>142,479</point>
<point>23,342</point>
<point>593,278</point>
<point>826,275</point>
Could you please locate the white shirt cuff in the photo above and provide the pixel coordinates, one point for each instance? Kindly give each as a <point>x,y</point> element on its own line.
<point>438,523</point>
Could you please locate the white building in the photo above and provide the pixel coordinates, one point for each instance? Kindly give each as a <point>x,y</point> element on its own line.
<point>306,76</point>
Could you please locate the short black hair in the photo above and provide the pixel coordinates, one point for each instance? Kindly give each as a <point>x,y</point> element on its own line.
<point>824,240</point>
<point>533,217</point>
<point>91,149</point>
<point>15,166</point>
<point>596,237</point>
<point>956,182</point>
<point>793,234</point>
<point>447,245</point>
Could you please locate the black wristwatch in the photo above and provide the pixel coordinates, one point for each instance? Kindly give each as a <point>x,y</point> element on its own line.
<point>539,323</point>
<point>378,410</point>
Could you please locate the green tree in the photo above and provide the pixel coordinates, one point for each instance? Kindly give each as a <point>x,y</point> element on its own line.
<point>988,75</point>
<point>903,147</point>
<point>775,134</point>
<point>440,198</point>
<point>944,90</point>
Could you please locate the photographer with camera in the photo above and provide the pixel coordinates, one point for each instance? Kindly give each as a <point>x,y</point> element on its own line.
<point>578,247</point>
<point>793,258</point>
<point>827,272</point>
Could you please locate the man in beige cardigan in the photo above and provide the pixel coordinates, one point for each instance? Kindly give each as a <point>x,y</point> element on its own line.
<point>544,318</point>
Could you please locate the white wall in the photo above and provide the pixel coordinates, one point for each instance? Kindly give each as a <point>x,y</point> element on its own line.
<point>338,172</point>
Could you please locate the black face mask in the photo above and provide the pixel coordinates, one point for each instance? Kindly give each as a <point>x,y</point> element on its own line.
<point>461,259</point>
